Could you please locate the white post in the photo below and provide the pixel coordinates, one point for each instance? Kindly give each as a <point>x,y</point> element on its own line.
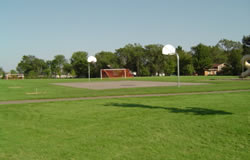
<point>89,71</point>
<point>170,50</point>
<point>91,59</point>
<point>242,66</point>
<point>178,69</point>
<point>101,73</point>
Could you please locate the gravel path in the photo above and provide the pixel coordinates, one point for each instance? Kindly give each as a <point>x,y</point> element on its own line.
<point>109,97</point>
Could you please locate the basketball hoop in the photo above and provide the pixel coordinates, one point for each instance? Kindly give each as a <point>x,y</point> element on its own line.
<point>170,50</point>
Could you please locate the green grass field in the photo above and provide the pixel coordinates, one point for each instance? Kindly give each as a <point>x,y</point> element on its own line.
<point>183,127</point>
<point>21,89</point>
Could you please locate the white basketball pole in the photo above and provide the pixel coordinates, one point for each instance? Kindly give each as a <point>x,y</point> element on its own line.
<point>89,70</point>
<point>91,59</point>
<point>101,73</point>
<point>170,50</point>
<point>178,69</point>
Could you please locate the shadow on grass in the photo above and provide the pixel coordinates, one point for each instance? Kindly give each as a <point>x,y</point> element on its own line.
<point>187,110</point>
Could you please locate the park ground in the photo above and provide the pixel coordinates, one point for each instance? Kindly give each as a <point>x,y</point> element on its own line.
<point>199,126</point>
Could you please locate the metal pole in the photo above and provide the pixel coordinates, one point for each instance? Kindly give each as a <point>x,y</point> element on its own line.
<point>101,73</point>
<point>178,69</point>
<point>242,67</point>
<point>89,71</point>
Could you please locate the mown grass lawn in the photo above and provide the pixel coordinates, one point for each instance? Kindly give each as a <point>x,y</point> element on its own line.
<point>23,89</point>
<point>207,127</point>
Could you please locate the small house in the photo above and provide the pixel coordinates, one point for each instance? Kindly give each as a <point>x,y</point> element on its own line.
<point>214,69</point>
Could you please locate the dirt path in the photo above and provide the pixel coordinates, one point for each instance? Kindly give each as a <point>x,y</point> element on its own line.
<point>109,97</point>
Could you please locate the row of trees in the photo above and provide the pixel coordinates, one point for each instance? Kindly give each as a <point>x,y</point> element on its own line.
<point>144,60</point>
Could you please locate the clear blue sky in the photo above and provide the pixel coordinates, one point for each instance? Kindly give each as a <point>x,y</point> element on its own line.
<point>46,28</point>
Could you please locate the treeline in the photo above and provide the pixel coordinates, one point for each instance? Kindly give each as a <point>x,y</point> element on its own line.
<point>145,60</point>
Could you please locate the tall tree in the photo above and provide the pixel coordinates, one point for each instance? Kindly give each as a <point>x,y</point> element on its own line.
<point>155,60</point>
<point>47,72</point>
<point>233,51</point>
<point>31,66</point>
<point>228,45</point>
<point>186,65</point>
<point>234,63</point>
<point>1,71</point>
<point>13,71</point>
<point>105,60</point>
<point>79,63</point>
<point>170,65</point>
<point>201,58</point>
<point>58,63</point>
<point>131,57</point>
<point>218,55</point>
<point>68,68</point>
<point>246,45</point>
